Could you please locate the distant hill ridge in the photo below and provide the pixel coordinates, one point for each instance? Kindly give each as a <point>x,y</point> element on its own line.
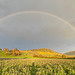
<point>70,53</point>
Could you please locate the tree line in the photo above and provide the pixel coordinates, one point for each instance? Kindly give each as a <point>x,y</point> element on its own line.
<point>14,52</point>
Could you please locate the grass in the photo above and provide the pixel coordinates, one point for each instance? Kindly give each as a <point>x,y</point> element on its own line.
<point>4,55</point>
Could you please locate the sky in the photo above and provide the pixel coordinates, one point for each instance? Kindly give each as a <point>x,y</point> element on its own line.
<point>38,26</point>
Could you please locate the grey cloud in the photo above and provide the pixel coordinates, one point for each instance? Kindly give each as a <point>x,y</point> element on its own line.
<point>62,8</point>
<point>37,26</point>
<point>41,30</point>
<point>37,23</point>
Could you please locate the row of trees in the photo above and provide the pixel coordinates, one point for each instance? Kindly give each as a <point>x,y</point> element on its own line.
<point>14,52</point>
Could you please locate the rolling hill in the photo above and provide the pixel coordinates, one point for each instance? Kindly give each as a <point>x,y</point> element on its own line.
<point>34,53</point>
<point>43,53</point>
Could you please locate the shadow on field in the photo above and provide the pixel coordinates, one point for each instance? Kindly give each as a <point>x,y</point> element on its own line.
<point>34,69</point>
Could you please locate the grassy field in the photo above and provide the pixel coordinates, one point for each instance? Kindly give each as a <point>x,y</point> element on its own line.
<point>4,55</point>
<point>37,67</point>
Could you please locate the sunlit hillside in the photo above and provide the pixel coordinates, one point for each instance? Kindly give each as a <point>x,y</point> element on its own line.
<point>43,53</point>
<point>34,53</point>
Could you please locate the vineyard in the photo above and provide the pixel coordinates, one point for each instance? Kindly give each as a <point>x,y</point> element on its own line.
<point>37,67</point>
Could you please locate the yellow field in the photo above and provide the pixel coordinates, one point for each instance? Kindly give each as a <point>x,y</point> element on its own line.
<point>37,67</point>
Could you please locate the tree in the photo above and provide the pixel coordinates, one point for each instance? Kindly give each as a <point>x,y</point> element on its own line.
<point>16,51</point>
<point>63,56</point>
<point>0,49</point>
<point>6,49</point>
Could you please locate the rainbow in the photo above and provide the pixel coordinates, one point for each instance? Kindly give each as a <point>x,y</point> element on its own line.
<point>41,12</point>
